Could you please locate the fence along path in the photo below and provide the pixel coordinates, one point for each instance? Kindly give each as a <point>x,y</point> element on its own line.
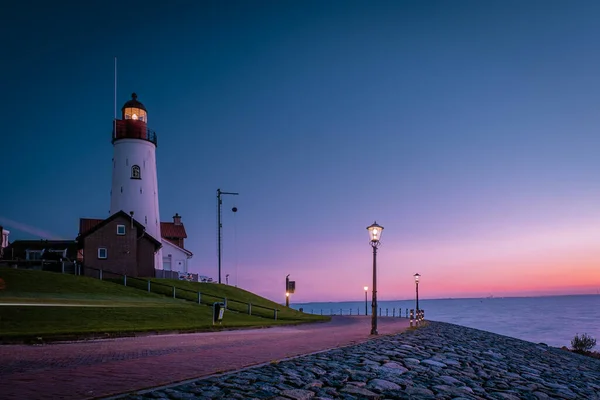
<point>197,297</point>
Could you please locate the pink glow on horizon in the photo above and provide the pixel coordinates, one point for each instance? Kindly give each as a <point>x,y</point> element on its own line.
<point>545,261</point>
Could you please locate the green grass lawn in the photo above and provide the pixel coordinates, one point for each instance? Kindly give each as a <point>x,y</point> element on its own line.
<point>116,309</point>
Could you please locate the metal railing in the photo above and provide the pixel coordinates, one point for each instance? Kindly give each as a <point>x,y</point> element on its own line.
<point>383,312</point>
<point>147,284</point>
<point>131,129</point>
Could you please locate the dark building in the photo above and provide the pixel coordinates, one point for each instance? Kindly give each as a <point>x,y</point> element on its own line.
<point>47,255</point>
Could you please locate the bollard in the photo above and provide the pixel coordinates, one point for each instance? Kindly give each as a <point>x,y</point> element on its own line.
<point>249,308</point>
<point>100,274</point>
<point>407,313</point>
<point>386,312</point>
<point>148,285</point>
<point>173,291</point>
<point>411,317</point>
<point>393,312</point>
<point>350,311</point>
<point>341,312</point>
<point>276,314</point>
<point>124,280</point>
<point>199,297</point>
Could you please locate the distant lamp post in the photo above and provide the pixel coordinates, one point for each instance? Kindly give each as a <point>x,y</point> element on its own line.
<point>366,307</point>
<point>287,290</point>
<point>375,232</point>
<point>227,279</point>
<point>417,276</point>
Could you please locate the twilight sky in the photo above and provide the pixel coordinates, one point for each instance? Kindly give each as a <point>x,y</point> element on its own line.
<point>469,129</point>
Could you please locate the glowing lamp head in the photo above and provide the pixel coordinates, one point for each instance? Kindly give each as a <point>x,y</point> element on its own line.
<point>375,232</point>
<point>287,294</point>
<point>134,110</point>
<point>366,288</point>
<point>417,276</point>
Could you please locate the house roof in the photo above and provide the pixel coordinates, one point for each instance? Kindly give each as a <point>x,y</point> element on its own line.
<point>170,230</point>
<point>102,223</point>
<point>167,229</point>
<point>189,253</point>
<point>86,224</point>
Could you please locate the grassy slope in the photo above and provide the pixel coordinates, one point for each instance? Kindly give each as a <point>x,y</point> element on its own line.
<point>117,309</point>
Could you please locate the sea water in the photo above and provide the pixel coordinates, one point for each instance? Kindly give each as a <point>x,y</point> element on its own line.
<point>553,320</point>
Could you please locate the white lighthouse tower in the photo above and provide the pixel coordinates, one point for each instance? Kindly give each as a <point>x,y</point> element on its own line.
<point>134,181</point>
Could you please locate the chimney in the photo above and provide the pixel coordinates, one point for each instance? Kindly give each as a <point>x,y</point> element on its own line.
<point>177,219</point>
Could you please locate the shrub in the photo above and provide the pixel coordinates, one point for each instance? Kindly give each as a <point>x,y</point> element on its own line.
<point>583,343</point>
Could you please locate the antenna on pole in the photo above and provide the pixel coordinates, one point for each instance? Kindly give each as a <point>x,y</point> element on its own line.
<point>114,134</point>
<point>115,87</point>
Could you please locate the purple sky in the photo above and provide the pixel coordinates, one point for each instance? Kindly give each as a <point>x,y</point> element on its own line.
<point>468,129</point>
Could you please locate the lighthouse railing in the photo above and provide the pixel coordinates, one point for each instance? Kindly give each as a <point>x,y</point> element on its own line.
<point>131,130</point>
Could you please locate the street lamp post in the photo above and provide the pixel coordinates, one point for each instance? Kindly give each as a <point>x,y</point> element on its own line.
<point>227,279</point>
<point>220,225</point>
<point>417,276</point>
<point>366,289</point>
<point>375,232</point>
<point>287,290</point>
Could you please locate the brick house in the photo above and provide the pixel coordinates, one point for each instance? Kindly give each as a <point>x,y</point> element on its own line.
<point>173,235</point>
<point>118,244</point>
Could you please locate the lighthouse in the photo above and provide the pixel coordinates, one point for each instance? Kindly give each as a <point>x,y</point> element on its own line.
<point>134,179</point>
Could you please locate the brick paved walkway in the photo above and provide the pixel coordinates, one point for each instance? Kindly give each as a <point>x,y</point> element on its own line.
<point>101,368</point>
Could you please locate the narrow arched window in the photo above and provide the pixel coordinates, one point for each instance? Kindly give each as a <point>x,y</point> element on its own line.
<point>135,172</point>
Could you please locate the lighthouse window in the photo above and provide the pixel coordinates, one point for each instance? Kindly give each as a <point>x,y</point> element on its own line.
<point>135,172</point>
<point>135,114</point>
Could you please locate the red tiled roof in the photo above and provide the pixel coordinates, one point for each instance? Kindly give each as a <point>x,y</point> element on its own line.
<point>170,230</point>
<point>87,224</point>
<point>167,229</point>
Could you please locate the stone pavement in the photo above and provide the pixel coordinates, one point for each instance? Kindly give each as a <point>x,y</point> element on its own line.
<point>438,361</point>
<point>101,368</point>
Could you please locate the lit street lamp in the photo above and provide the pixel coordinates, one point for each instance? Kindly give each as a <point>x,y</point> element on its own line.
<point>375,232</point>
<point>287,290</point>
<point>366,289</point>
<point>417,276</point>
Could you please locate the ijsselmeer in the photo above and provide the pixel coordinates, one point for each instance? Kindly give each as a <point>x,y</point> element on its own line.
<point>300,200</point>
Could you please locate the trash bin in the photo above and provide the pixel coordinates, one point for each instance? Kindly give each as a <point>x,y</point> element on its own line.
<point>218,311</point>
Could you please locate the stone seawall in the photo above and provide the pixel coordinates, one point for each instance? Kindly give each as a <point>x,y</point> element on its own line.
<point>436,361</point>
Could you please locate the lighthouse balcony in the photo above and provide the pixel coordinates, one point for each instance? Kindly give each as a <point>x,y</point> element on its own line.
<point>133,129</point>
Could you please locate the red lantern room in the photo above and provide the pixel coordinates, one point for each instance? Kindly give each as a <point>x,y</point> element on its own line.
<point>133,125</point>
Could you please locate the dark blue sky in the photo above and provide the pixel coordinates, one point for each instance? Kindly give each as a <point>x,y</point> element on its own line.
<point>460,126</point>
